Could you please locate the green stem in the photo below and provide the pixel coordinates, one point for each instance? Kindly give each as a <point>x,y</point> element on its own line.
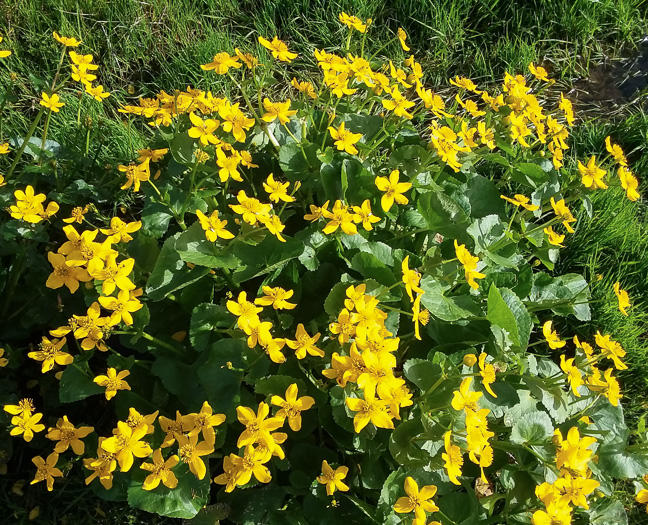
<point>30,132</point>
<point>47,121</point>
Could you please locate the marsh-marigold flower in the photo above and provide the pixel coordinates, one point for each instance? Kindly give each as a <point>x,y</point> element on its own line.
<point>393,190</point>
<point>469,263</point>
<point>344,139</point>
<point>552,337</point>
<point>160,471</point>
<point>292,407</point>
<point>592,175</point>
<point>66,40</point>
<point>333,478</point>
<point>67,435</point>
<point>278,49</point>
<point>213,226</point>
<point>622,296</point>
<point>46,470</point>
<point>417,501</point>
<point>50,353</point>
<point>52,103</point>
<point>113,381</point>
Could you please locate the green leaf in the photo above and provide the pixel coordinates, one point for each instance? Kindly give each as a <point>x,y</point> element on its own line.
<point>443,215</point>
<point>423,373</point>
<point>616,461</point>
<point>77,384</point>
<point>561,293</point>
<point>606,512</point>
<point>155,218</point>
<point>210,515</point>
<point>204,318</point>
<point>184,501</point>
<point>171,273</point>
<point>222,383</point>
<point>533,429</point>
<point>446,308</point>
<point>370,267</point>
<point>530,174</point>
<point>335,299</point>
<point>506,310</point>
<point>182,148</point>
<point>484,197</point>
<point>193,247</point>
<point>277,385</point>
<point>265,257</point>
<point>179,379</point>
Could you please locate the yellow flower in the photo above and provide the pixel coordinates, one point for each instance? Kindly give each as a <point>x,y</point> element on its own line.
<point>393,190</point>
<point>274,225</point>
<point>235,121</point>
<point>4,149</point>
<point>121,306</point>
<point>369,410</point>
<point>24,408</point>
<point>364,215</point>
<point>4,52</point>
<point>521,200</point>
<point>616,152</point>
<point>135,174</point>
<point>629,183</point>
<point>352,22</point>
<point>411,279</point>
<point>463,398</point>
<point>127,443</point>
<point>113,381</point>
<point>592,175</point>
<point>277,110</point>
<point>277,190</point>
<point>244,310</point>
<point>213,226</point>
<point>417,501</point>
<point>190,452</point>
<point>611,350</point>
<point>552,337</point>
<point>247,58</point>
<point>333,478</point>
<point>469,263</point>
<point>153,155</point>
<point>228,165</point>
<point>464,83</point>
<point>203,129</point>
<point>574,376</point>
<point>622,296</point>
<point>66,40</point>
<point>160,471</point>
<point>562,211</point>
<point>26,425</point>
<point>539,72</point>
<point>50,353</point>
<point>399,104</point>
<point>96,92</point>
<point>221,63</point>
<point>401,38</point>
<point>453,459</point>
<point>566,106</point>
<point>487,372</point>
<point>205,421</point>
<point>257,427</point>
<point>228,478</point>
<point>83,60</point>
<point>470,359</point>
<point>304,87</point>
<point>304,344</point>
<point>119,230</point>
<point>46,470</point>
<point>102,467</point>
<point>344,139</point>
<point>339,217</point>
<point>278,49</point>
<point>67,435</point>
<point>251,209</point>
<point>277,297</point>
<point>291,407</point>
<point>3,360</point>
<point>553,237</point>
<point>52,103</point>
<point>64,274</point>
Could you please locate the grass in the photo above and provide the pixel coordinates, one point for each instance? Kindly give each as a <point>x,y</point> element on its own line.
<point>148,46</point>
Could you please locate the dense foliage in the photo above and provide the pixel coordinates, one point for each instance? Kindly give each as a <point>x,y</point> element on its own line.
<point>324,301</point>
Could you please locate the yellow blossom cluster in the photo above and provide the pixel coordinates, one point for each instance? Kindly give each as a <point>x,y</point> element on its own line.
<point>586,361</point>
<point>574,483</point>
<point>480,452</point>
<point>29,206</point>
<point>369,361</point>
